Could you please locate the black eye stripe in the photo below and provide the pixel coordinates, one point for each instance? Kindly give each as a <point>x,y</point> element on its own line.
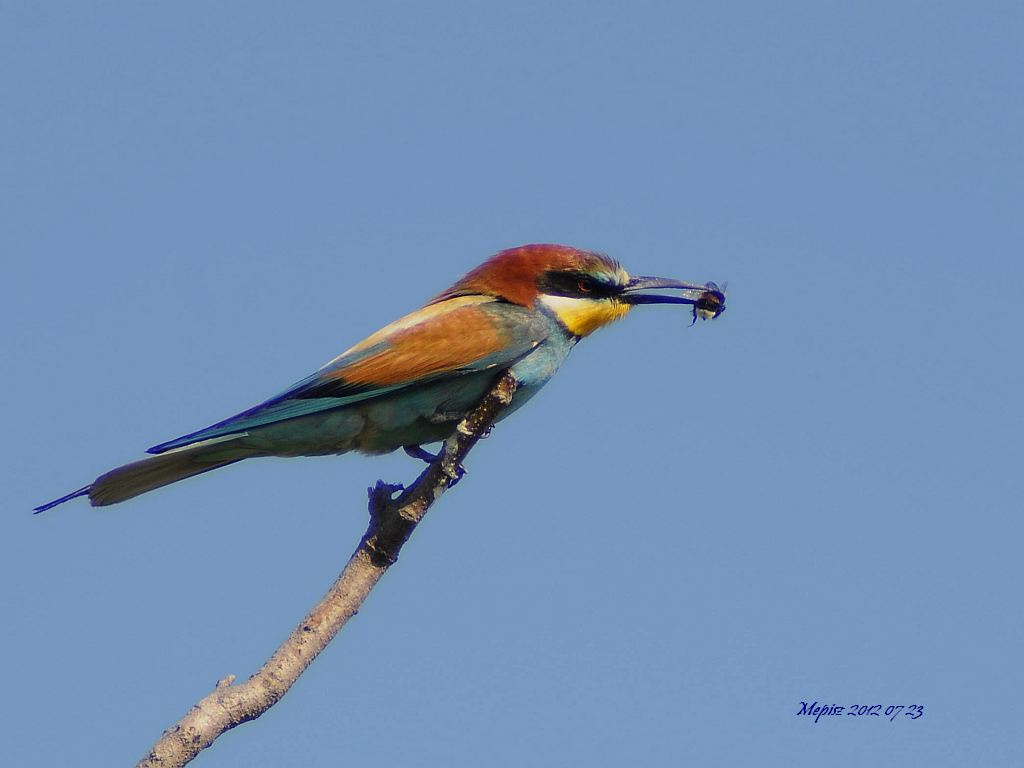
<point>576,284</point>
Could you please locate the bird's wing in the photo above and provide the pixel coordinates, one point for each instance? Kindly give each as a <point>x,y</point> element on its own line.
<point>448,338</point>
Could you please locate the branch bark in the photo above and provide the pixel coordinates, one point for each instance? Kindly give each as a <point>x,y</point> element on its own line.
<point>392,521</point>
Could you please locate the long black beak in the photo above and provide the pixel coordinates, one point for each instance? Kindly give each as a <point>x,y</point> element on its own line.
<point>692,292</point>
<point>631,295</point>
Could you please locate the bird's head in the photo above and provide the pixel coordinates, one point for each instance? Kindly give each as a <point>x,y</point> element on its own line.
<point>583,289</point>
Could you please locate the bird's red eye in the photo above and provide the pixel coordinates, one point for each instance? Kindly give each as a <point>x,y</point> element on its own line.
<point>585,286</point>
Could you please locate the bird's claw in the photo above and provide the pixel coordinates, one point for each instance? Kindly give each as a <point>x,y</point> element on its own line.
<point>460,472</point>
<point>419,452</point>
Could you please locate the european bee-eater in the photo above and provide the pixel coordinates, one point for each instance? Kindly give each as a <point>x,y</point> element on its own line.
<point>412,381</point>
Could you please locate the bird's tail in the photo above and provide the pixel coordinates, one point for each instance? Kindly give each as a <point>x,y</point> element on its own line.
<point>154,472</point>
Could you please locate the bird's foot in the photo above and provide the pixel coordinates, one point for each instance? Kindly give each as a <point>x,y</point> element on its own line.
<point>419,452</point>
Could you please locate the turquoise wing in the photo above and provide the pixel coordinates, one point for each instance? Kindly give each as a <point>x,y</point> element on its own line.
<point>450,338</point>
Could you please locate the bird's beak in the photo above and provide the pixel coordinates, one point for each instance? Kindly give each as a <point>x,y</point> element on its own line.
<point>691,292</point>
<point>708,300</point>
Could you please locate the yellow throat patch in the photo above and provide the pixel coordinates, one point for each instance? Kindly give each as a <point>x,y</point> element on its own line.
<point>584,316</point>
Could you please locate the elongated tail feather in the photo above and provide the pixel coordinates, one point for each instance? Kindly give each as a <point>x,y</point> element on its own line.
<point>148,474</point>
<point>51,504</point>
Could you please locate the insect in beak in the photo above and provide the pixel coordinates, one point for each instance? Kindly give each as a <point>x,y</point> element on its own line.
<point>710,304</point>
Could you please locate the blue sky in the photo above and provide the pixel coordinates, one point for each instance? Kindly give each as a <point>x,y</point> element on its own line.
<point>689,532</point>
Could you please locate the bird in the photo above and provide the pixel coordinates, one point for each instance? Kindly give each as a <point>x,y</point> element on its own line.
<point>411,382</point>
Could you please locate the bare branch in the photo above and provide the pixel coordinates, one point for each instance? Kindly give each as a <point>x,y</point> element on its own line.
<point>392,521</point>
